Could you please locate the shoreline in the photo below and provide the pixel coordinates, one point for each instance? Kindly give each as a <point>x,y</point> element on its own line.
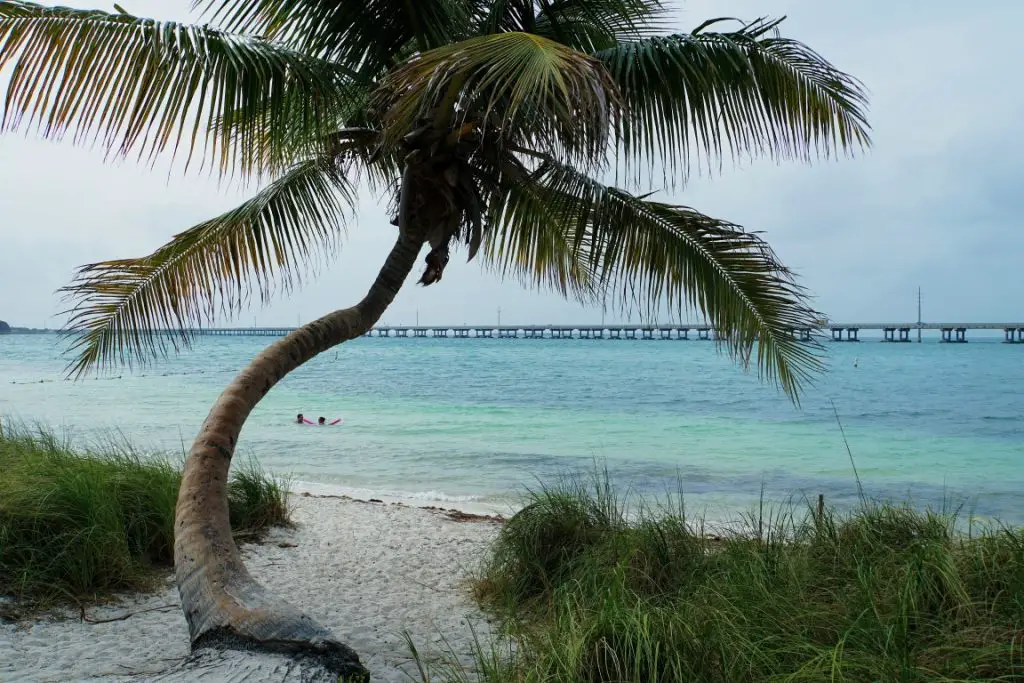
<point>476,508</point>
<point>369,571</point>
<point>452,514</point>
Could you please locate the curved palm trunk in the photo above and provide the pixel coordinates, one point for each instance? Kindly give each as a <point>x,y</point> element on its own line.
<point>224,606</point>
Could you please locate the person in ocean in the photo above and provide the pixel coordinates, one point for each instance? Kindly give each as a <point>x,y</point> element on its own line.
<point>322,421</point>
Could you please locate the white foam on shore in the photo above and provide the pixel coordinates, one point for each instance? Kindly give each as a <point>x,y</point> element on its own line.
<point>367,571</point>
<point>474,505</point>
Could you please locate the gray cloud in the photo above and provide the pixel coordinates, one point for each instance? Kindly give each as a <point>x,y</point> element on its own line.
<point>936,202</point>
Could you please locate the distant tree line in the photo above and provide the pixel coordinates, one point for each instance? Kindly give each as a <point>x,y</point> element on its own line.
<point>7,329</point>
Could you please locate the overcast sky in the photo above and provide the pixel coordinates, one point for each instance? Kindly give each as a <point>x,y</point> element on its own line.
<point>937,202</point>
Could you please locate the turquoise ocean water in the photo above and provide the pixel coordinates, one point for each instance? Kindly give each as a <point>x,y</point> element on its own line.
<point>477,421</point>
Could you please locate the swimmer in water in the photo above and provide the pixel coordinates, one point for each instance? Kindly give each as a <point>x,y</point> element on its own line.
<point>299,419</point>
<point>321,421</point>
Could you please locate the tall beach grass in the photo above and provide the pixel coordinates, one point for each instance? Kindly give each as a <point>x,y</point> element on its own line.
<point>589,594</point>
<point>78,524</point>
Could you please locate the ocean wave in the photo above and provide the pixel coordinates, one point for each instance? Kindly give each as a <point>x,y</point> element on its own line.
<point>437,496</point>
<point>364,493</point>
<point>895,413</point>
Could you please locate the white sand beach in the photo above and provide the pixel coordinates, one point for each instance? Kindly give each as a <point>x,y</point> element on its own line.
<point>369,571</point>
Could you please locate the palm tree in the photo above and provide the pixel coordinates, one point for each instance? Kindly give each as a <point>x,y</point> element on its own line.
<point>494,125</point>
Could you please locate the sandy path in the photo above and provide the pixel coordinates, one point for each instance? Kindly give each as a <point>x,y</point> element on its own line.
<point>368,571</point>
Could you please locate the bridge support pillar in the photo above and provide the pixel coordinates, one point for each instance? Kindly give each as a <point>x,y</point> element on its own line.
<point>647,334</point>
<point>905,334</point>
<point>440,333</point>
<point>703,333</point>
<point>805,334</point>
<point>683,333</point>
<point>615,334</point>
<point>837,334</point>
<point>889,334</point>
<point>1014,335</point>
<point>954,335</point>
<point>419,333</point>
<point>851,334</point>
<point>665,334</point>
<point>461,334</point>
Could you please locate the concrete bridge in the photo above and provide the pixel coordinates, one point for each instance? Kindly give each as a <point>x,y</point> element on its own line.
<point>950,333</point>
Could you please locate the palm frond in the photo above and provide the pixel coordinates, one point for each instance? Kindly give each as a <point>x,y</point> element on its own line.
<point>276,142</point>
<point>658,255</point>
<point>592,25</point>
<point>129,83</point>
<point>695,97</point>
<point>501,16</point>
<point>528,238</point>
<point>128,310</point>
<point>367,36</point>
<point>510,86</point>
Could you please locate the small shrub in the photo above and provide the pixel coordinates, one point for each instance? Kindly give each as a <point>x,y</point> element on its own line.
<point>540,544</point>
<point>257,500</point>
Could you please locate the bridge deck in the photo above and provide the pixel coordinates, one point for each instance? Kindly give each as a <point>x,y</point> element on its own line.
<point>626,328</point>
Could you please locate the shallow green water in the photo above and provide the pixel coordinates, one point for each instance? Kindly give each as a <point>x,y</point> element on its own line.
<point>478,420</point>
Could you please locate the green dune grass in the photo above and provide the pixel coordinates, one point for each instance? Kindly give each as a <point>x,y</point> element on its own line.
<point>589,594</point>
<point>78,524</point>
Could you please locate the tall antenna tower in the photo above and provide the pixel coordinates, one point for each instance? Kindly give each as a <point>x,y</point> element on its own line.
<point>919,315</point>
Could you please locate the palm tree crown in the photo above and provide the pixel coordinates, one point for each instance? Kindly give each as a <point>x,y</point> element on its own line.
<point>492,124</point>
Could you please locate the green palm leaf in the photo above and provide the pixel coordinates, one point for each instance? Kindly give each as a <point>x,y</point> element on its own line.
<point>513,87</point>
<point>655,255</point>
<point>127,310</point>
<point>500,16</point>
<point>274,141</point>
<point>527,239</point>
<point>366,36</point>
<point>696,96</point>
<point>592,25</point>
<point>137,84</point>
